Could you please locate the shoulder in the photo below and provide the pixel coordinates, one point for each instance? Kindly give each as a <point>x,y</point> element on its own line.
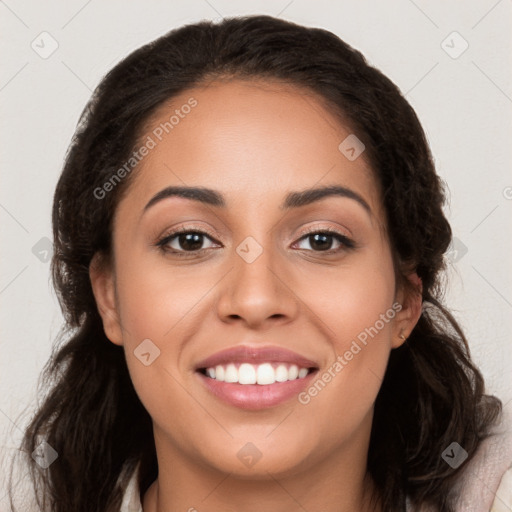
<point>485,484</point>
<point>131,499</point>
<point>503,500</point>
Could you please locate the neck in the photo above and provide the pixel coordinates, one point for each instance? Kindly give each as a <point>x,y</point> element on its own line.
<point>336,483</point>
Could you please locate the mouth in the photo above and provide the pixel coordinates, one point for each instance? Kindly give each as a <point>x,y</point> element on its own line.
<point>264,374</point>
<point>254,379</point>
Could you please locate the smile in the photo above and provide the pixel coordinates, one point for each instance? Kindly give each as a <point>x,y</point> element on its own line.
<point>262,374</point>
<point>255,378</point>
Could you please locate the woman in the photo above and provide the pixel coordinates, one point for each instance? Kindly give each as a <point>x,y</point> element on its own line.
<point>249,242</point>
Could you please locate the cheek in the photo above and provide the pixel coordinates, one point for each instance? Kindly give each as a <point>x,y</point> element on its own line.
<point>166,305</point>
<point>154,298</point>
<point>358,310</point>
<point>355,302</point>
<point>364,311</point>
<point>155,305</point>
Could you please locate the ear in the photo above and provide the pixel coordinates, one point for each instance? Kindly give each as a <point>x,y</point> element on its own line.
<point>103,287</point>
<point>410,312</point>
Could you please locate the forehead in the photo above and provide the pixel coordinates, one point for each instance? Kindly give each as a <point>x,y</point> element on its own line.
<point>253,140</point>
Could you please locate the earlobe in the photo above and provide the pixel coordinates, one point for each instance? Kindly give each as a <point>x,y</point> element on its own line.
<point>103,287</point>
<point>410,313</point>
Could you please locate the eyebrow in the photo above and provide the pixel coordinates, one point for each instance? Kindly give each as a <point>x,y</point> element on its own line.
<point>292,200</point>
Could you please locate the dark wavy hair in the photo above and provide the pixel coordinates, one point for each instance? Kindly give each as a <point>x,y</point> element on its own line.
<point>431,395</point>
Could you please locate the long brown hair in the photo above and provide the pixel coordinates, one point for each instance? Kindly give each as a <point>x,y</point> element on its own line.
<point>432,393</point>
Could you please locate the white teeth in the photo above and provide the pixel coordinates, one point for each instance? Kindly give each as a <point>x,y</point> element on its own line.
<point>219,373</point>
<point>293,372</point>
<point>231,374</point>
<point>263,374</point>
<point>246,374</point>
<point>281,373</point>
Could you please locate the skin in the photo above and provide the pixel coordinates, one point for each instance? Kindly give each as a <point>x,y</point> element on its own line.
<point>254,142</point>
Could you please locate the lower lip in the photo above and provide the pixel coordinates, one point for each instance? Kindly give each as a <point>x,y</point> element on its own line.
<point>256,396</point>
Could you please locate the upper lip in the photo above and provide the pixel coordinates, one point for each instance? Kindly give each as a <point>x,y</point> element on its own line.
<point>248,354</point>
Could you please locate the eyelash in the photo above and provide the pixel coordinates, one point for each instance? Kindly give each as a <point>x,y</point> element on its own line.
<point>346,243</point>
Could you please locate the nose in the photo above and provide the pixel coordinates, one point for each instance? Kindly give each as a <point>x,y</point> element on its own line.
<point>259,291</point>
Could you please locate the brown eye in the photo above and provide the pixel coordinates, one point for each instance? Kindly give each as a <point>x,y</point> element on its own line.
<point>183,241</point>
<point>190,241</point>
<point>322,241</point>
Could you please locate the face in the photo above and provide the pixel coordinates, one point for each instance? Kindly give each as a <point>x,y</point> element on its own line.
<point>292,281</point>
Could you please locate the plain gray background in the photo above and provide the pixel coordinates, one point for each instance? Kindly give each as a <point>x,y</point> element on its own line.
<point>464,101</point>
